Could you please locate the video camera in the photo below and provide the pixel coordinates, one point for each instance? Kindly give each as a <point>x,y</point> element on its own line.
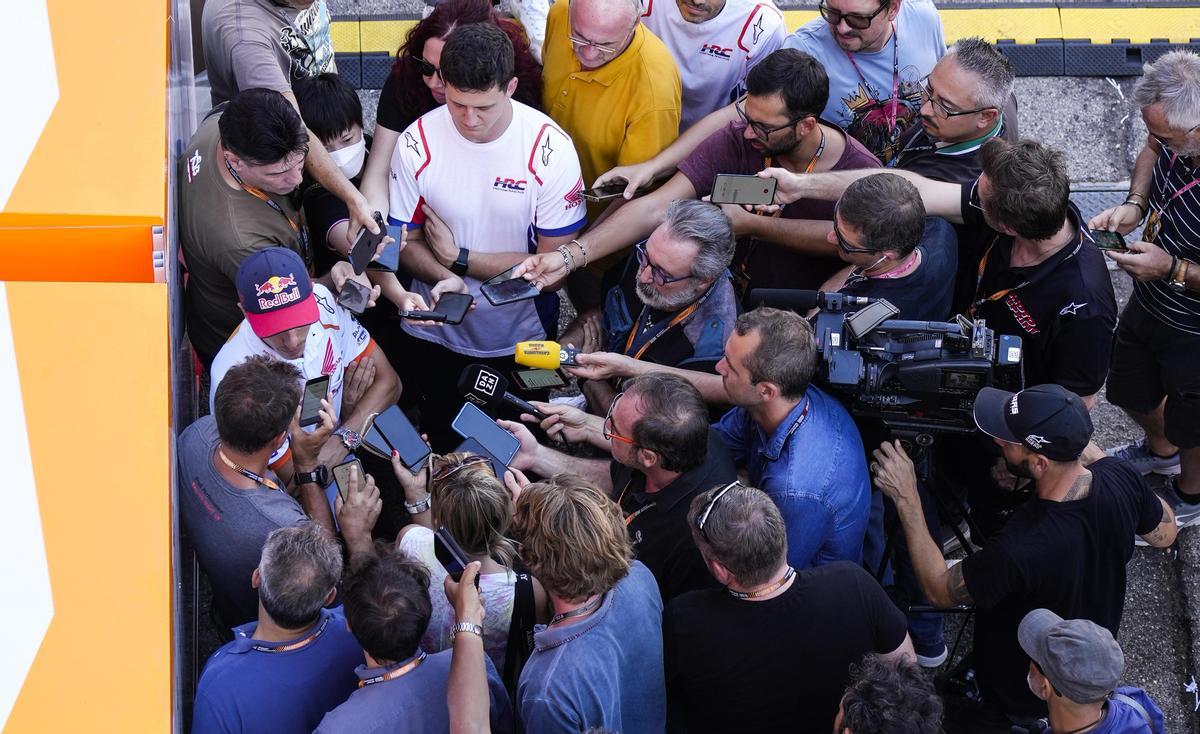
<point>911,375</point>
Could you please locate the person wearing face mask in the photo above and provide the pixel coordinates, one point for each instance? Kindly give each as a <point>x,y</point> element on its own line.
<point>674,305</point>
<point>1064,550</point>
<point>1074,666</point>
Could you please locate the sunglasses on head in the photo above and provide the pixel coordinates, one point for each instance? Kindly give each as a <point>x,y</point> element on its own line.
<point>702,518</point>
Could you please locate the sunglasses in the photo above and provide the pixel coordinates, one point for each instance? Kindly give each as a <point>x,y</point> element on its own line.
<point>854,20</point>
<point>702,518</point>
<point>844,244</point>
<point>661,277</point>
<point>609,434</point>
<point>761,130</point>
<point>448,469</point>
<point>426,68</point>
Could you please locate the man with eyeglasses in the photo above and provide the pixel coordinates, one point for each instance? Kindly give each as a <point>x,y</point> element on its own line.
<point>673,306</point>
<point>663,454</point>
<point>779,125</point>
<point>715,43</point>
<point>610,83</point>
<point>1153,375</point>
<point>481,182</point>
<point>772,651</point>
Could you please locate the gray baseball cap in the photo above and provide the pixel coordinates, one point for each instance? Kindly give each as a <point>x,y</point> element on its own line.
<point>1081,658</point>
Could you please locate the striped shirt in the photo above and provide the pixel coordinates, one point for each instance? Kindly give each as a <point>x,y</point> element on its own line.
<point>1179,212</point>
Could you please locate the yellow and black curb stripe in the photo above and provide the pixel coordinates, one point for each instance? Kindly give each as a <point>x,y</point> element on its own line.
<point>1040,39</point>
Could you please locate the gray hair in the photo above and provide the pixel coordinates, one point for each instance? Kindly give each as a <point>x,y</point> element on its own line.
<point>745,533</point>
<point>993,68</point>
<point>1173,81</point>
<point>707,226</point>
<point>887,210</point>
<point>300,565</point>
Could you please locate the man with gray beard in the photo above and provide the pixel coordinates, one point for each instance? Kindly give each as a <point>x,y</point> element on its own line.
<point>674,305</point>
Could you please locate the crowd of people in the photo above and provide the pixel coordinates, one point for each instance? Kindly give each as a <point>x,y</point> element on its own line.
<point>699,533</point>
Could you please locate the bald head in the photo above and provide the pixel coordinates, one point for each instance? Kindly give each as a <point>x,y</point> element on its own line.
<point>604,27</point>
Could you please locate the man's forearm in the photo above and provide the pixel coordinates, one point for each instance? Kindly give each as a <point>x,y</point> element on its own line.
<point>1142,173</point>
<point>382,393</point>
<point>711,387</point>
<point>807,236</point>
<point>316,505</point>
<point>548,463</point>
<point>420,262</point>
<point>671,156</point>
<point>927,559</point>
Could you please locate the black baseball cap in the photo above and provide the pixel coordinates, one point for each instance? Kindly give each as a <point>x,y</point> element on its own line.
<point>1047,419</point>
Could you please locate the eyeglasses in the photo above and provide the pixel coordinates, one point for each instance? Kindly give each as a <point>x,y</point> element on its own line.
<point>609,434</point>
<point>854,20</point>
<point>708,508</point>
<point>844,244</point>
<point>448,469</point>
<point>940,108</point>
<point>760,129</point>
<point>974,199</point>
<point>1164,144</point>
<point>661,277</point>
<point>605,50</point>
<point>426,68</point>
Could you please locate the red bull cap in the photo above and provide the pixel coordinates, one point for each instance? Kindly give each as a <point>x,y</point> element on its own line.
<point>275,291</point>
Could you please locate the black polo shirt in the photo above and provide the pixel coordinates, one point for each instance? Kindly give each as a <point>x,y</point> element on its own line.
<point>1063,308</point>
<point>954,163</point>
<point>657,522</point>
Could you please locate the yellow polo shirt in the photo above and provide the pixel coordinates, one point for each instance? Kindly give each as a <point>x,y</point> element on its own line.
<point>623,113</point>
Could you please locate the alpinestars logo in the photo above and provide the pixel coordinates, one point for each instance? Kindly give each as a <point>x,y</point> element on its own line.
<point>716,51</point>
<point>1035,441</point>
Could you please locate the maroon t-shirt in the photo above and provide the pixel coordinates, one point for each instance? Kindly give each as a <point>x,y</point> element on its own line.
<point>768,265</point>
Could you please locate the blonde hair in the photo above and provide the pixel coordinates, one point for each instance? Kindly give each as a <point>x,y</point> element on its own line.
<point>573,537</point>
<point>476,508</point>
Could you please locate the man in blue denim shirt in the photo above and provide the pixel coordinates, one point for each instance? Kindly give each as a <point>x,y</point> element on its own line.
<point>796,443</point>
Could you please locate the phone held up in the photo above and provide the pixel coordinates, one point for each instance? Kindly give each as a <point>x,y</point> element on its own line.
<point>315,390</point>
<point>451,555</point>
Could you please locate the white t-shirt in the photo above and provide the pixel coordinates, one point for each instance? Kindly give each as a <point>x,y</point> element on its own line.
<point>335,340</point>
<point>495,197</point>
<point>714,56</point>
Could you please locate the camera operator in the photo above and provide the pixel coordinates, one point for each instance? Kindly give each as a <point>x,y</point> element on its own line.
<point>663,454</point>
<point>723,673</point>
<point>1064,550</point>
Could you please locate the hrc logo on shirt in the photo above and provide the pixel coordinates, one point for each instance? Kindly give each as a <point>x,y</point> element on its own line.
<point>509,184</point>
<point>714,50</point>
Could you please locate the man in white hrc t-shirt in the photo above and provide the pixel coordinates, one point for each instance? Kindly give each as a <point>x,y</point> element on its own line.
<point>293,320</point>
<point>714,42</point>
<point>482,182</point>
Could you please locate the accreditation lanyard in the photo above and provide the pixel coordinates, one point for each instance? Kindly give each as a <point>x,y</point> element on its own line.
<point>395,673</point>
<point>259,194</point>
<point>252,476</point>
<point>294,645</point>
<point>799,421</point>
<point>973,310</point>
<point>893,110</point>
<point>633,515</point>
<point>1154,221</point>
<point>680,318</point>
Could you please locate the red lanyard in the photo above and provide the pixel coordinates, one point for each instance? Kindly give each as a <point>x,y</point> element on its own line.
<point>405,669</point>
<point>294,645</point>
<point>893,110</point>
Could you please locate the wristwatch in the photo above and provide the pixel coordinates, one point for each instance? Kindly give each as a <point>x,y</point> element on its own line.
<point>459,266</point>
<point>318,476</point>
<point>1177,279</point>
<point>350,438</point>
<point>466,627</point>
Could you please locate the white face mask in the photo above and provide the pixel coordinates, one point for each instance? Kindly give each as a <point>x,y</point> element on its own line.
<point>350,159</point>
<point>1029,682</point>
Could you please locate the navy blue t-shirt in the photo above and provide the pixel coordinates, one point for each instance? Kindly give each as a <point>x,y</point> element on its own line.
<point>923,294</point>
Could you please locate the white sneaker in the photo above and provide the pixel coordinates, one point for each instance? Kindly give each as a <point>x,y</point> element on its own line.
<point>935,661</point>
<point>1186,513</point>
<point>1145,461</point>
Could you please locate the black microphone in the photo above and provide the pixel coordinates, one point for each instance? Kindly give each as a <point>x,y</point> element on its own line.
<point>803,300</point>
<point>488,388</point>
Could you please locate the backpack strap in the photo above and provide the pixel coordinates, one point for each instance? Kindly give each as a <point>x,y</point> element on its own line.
<point>1136,706</point>
<point>520,628</point>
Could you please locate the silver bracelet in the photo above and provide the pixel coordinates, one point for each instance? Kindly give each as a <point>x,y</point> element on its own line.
<point>568,260</point>
<point>416,508</point>
<point>466,627</point>
<point>582,251</point>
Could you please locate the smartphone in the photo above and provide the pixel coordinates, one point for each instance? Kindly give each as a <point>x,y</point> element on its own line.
<point>471,422</point>
<point>471,446</point>
<point>450,554</point>
<point>605,192</point>
<point>341,475</point>
<point>538,379</point>
<point>315,390</point>
<point>735,188</point>
<point>389,259</point>
<point>451,308</point>
<point>374,442</point>
<point>1106,240</point>
<point>400,436</point>
<point>354,296</point>
<point>365,245</point>
<point>508,291</point>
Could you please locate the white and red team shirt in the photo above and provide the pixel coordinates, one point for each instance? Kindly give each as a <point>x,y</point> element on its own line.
<point>494,197</point>
<point>335,340</point>
<point>714,56</point>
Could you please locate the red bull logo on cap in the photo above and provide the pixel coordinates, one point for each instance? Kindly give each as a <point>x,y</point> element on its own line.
<point>284,287</point>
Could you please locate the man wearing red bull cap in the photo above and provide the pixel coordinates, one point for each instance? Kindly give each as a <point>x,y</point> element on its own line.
<point>292,319</point>
<point>1064,550</point>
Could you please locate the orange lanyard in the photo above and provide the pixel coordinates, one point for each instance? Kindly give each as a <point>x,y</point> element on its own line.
<point>300,232</point>
<point>979,281</point>
<point>679,318</point>
<point>246,472</point>
<point>633,515</point>
<point>294,645</point>
<point>405,669</point>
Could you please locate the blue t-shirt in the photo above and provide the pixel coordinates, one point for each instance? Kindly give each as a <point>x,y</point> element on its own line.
<point>814,469</point>
<point>605,671</point>
<point>414,702</point>
<point>247,689</point>
<point>859,104</point>
<point>1122,718</point>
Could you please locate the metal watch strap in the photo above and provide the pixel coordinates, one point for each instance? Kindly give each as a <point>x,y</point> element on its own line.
<point>416,508</point>
<point>459,266</point>
<point>466,627</point>
<point>350,438</point>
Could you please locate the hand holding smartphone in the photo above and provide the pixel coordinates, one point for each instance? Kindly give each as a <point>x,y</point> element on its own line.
<point>450,309</point>
<point>342,473</point>
<point>315,390</point>
<point>1106,240</point>
<point>354,296</point>
<point>502,289</point>
<point>451,555</point>
<point>366,244</point>
<point>731,188</point>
